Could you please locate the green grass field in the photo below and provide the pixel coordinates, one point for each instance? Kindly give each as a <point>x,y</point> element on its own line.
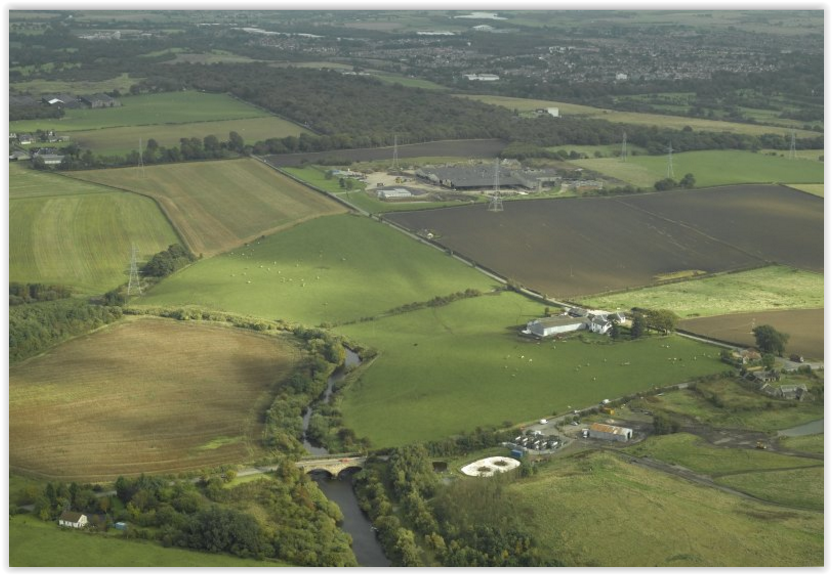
<point>695,454</point>
<point>815,189</point>
<point>448,369</point>
<point>121,141</point>
<point>808,154</point>
<point>769,288</point>
<point>375,206</point>
<point>666,121</point>
<point>121,83</point>
<point>78,234</point>
<point>166,108</point>
<point>597,510</point>
<point>710,168</point>
<point>792,487</point>
<point>316,175</point>
<point>217,206</point>
<point>26,183</point>
<point>330,269</point>
<point>742,408</point>
<point>809,443</point>
<point>35,543</point>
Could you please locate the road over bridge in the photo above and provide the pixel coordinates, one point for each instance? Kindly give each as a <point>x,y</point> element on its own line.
<point>333,465</point>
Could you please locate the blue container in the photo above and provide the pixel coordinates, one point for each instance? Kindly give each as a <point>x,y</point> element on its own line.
<point>516,453</point>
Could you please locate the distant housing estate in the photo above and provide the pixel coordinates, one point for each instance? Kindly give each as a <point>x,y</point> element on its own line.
<point>483,77</point>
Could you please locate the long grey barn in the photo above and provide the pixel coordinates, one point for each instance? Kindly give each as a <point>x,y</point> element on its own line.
<point>482,176</point>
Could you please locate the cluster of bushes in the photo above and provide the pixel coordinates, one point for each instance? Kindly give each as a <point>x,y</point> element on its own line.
<point>20,293</point>
<point>168,261</point>
<point>687,182</point>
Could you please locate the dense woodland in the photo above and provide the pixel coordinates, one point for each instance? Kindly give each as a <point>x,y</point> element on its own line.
<point>21,293</point>
<point>359,112</point>
<point>293,522</point>
<point>466,523</point>
<point>35,327</point>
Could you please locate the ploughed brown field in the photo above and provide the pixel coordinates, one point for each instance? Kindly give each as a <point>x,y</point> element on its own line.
<point>804,326</point>
<point>576,247</point>
<point>773,223</point>
<point>148,395</point>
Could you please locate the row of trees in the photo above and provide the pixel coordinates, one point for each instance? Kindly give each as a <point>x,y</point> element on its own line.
<point>190,149</point>
<point>168,261</point>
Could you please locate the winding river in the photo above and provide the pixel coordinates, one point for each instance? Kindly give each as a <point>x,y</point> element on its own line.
<point>810,428</point>
<point>339,489</point>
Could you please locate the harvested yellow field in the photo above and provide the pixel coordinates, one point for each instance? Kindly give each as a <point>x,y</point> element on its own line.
<point>144,396</point>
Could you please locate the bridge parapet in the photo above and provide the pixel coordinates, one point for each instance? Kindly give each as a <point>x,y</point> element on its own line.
<point>331,465</point>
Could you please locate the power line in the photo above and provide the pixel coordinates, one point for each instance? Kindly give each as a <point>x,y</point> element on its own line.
<point>134,285</point>
<point>624,148</point>
<point>792,149</point>
<point>141,160</point>
<point>496,203</point>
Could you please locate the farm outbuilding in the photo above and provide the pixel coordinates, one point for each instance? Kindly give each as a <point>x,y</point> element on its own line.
<point>100,101</point>
<point>394,193</point>
<point>50,159</point>
<point>72,519</point>
<point>610,432</point>
<point>482,176</point>
<point>549,326</point>
<point>575,319</point>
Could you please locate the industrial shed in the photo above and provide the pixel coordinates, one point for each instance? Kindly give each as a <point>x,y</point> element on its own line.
<point>610,432</point>
<point>549,326</point>
<point>394,193</point>
<point>482,176</point>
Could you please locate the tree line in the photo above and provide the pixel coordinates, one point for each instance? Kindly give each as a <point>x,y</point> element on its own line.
<point>190,149</point>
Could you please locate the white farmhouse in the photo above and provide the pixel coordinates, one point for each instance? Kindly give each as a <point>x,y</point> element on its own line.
<point>72,519</point>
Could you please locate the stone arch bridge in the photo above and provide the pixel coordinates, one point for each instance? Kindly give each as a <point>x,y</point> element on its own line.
<point>334,464</point>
